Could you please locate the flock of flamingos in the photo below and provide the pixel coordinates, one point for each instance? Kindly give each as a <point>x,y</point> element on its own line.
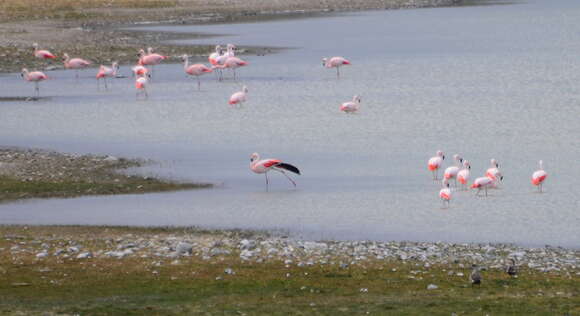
<point>221,60</point>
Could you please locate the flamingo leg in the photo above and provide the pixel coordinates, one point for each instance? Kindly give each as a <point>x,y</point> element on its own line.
<point>198,84</point>
<point>267,182</point>
<point>284,173</point>
<point>98,85</point>
<point>337,72</point>
<point>36,88</point>
<point>486,191</point>
<point>105,79</point>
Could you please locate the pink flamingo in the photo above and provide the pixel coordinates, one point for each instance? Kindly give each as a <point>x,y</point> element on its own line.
<point>335,62</point>
<point>195,70</point>
<point>451,172</point>
<point>35,76</point>
<point>105,72</point>
<point>230,51</point>
<point>232,63</point>
<point>150,59</point>
<point>265,165</point>
<point>445,193</point>
<point>213,56</point>
<point>351,106</point>
<point>463,174</point>
<point>482,183</point>
<point>139,70</point>
<point>435,163</point>
<point>75,63</point>
<point>239,97</point>
<point>141,84</point>
<point>44,54</point>
<point>539,176</point>
<point>494,173</point>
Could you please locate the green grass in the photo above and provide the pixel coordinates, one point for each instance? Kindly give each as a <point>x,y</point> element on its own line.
<point>13,189</point>
<point>130,287</point>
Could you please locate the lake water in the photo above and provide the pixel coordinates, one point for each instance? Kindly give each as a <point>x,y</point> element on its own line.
<point>486,82</point>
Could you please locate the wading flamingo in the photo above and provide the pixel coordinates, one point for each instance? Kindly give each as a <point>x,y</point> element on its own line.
<point>463,175</point>
<point>445,193</point>
<point>139,70</point>
<point>435,163</point>
<point>239,97</point>
<point>105,72</point>
<point>351,106</point>
<point>75,63</point>
<point>35,76</point>
<point>194,70</point>
<point>150,59</point>
<point>494,174</point>
<point>482,183</point>
<point>232,63</point>
<point>539,176</point>
<point>213,56</point>
<point>335,62</point>
<point>40,53</point>
<point>258,165</point>
<point>451,172</point>
<point>141,84</point>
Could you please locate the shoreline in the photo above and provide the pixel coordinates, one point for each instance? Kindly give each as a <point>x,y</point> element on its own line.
<point>96,33</point>
<point>35,173</point>
<point>184,271</point>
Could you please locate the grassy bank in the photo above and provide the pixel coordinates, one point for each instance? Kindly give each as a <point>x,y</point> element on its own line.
<point>224,284</point>
<point>43,174</point>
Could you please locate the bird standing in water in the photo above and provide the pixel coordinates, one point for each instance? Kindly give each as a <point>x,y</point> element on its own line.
<point>258,165</point>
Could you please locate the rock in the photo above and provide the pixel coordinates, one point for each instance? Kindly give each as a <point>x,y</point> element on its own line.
<point>432,287</point>
<point>84,255</point>
<point>111,158</point>
<point>184,248</point>
<point>229,271</point>
<point>246,244</point>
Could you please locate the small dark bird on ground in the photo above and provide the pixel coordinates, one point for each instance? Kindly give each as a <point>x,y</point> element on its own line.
<point>512,269</point>
<point>475,275</point>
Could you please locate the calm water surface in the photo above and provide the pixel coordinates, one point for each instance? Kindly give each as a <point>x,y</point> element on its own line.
<point>487,82</point>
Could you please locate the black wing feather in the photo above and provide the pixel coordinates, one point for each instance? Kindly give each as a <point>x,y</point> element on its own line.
<point>288,167</point>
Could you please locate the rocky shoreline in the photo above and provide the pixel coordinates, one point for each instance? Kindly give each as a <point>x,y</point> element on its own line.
<point>94,32</point>
<point>167,246</point>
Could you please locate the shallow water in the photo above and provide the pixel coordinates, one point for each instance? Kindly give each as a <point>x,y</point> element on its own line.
<point>492,81</point>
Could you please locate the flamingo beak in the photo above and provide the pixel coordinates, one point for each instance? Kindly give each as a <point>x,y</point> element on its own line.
<point>460,159</point>
<point>443,157</point>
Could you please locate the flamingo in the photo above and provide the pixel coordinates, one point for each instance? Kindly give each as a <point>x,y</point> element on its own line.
<point>141,84</point>
<point>213,59</point>
<point>463,174</point>
<point>451,172</point>
<point>105,72</point>
<point>139,70</point>
<point>150,59</point>
<point>539,176</point>
<point>239,97</point>
<point>493,173</point>
<point>231,63</point>
<point>194,70</point>
<point>230,51</point>
<point>482,183</point>
<point>435,163</point>
<point>445,193</point>
<point>213,56</point>
<point>35,76</point>
<point>44,54</point>
<point>75,63</point>
<point>351,106</point>
<point>258,165</point>
<point>335,62</point>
